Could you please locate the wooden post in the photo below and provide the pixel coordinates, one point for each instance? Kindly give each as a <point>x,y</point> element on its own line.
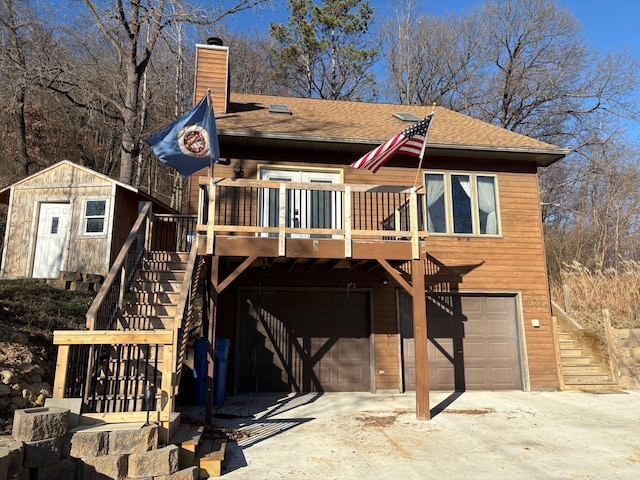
<point>347,221</point>
<point>611,346</point>
<point>282,219</point>
<point>567,300</point>
<point>557,353</point>
<point>60,381</point>
<point>420,338</point>
<point>211,336</point>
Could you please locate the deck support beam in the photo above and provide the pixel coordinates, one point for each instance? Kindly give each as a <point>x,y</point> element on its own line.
<point>420,337</point>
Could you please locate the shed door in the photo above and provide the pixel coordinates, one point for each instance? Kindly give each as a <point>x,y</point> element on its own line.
<point>51,240</point>
<point>304,341</point>
<point>473,342</point>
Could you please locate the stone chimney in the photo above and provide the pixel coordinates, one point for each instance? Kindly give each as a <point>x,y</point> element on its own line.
<point>212,72</point>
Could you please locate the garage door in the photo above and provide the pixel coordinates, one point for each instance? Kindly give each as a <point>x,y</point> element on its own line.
<point>473,342</point>
<point>304,341</point>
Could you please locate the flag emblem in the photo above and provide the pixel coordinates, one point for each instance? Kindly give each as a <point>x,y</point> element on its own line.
<point>194,141</point>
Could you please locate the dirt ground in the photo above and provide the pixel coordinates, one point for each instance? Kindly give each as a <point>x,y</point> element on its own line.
<point>472,435</point>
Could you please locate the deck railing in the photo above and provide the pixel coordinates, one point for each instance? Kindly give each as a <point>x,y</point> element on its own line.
<point>109,368</point>
<point>311,210</point>
<point>109,301</point>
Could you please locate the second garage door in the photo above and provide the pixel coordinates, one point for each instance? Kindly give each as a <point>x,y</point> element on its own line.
<point>304,341</point>
<point>473,342</point>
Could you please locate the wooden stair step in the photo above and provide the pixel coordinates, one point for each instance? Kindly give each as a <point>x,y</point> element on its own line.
<point>571,352</point>
<point>156,255</point>
<point>575,361</point>
<point>146,322</point>
<point>160,275</point>
<point>587,378</point>
<point>582,370</point>
<point>600,386</point>
<point>210,456</point>
<point>187,438</point>
<point>155,286</point>
<point>162,298</point>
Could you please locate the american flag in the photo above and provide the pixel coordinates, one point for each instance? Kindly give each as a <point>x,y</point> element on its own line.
<point>409,141</point>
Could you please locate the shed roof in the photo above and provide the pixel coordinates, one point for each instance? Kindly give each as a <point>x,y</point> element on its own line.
<point>4,193</point>
<point>359,126</point>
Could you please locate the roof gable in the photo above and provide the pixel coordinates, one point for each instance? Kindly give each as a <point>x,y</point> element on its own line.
<point>78,173</point>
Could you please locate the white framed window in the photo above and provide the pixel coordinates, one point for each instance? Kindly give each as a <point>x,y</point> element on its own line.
<point>94,216</point>
<point>462,203</point>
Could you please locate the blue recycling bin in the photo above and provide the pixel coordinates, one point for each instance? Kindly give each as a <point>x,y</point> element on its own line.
<point>200,349</point>
<point>221,359</point>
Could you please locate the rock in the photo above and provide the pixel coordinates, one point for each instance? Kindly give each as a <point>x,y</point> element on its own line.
<point>7,377</point>
<point>17,337</point>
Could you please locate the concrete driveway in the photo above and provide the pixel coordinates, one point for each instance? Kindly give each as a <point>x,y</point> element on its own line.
<point>472,435</point>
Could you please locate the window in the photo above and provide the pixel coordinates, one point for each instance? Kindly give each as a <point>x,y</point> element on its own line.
<point>94,217</point>
<point>461,204</point>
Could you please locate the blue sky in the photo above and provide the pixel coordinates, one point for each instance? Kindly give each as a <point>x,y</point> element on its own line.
<point>606,24</point>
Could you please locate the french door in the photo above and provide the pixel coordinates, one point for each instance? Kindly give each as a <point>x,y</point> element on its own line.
<point>304,208</point>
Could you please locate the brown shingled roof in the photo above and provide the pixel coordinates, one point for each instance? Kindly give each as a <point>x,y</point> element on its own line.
<point>364,125</point>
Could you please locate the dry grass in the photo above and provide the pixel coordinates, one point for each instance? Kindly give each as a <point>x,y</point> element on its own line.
<point>617,290</point>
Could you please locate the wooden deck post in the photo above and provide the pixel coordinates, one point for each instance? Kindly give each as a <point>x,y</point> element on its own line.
<point>211,335</point>
<point>420,338</point>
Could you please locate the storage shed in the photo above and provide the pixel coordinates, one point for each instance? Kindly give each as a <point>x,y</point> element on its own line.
<point>67,218</point>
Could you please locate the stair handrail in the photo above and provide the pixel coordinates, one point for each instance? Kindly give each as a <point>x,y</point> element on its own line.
<point>184,307</point>
<point>110,298</point>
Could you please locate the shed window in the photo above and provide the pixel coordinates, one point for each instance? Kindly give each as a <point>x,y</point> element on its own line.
<point>462,204</point>
<point>94,216</point>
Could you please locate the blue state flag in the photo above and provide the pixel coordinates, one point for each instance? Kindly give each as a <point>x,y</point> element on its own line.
<point>191,142</point>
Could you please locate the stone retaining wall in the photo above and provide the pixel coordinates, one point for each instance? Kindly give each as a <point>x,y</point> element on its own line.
<point>627,346</point>
<point>41,447</point>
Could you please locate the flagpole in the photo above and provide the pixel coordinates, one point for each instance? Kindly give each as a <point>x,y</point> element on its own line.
<point>210,106</point>
<point>424,146</point>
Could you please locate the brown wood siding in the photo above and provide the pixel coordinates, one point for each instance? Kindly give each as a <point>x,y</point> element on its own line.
<point>125,213</point>
<point>512,263</point>
<point>212,74</point>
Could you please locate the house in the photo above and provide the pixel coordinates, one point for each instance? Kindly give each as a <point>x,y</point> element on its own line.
<point>322,275</point>
<point>67,218</point>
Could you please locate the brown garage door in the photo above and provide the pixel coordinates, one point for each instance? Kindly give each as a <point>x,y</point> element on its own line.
<point>304,341</point>
<point>473,342</point>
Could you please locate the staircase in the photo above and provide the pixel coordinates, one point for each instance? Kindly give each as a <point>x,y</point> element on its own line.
<point>126,366</point>
<point>584,367</point>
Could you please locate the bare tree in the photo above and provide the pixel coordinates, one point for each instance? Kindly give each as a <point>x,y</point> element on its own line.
<point>130,31</point>
<point>431,59</point>
<point>16,20</point>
